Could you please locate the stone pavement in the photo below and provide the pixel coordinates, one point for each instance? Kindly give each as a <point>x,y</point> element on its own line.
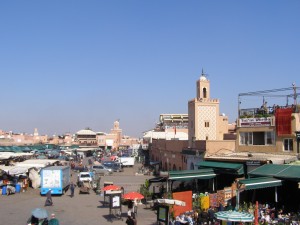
<point>80,210</point>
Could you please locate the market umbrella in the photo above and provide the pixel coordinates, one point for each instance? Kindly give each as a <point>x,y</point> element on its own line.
<point>40,213</point>
<point>133,195</point>
<point>234,216</point>
<point>111,188</point>
<point>170,201</point>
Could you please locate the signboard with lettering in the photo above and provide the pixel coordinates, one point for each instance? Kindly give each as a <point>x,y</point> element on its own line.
<point>298,135</point>
<point>163,214</point>
<point>115,201</point>
<point>253,163</point>
<point>255,122</point>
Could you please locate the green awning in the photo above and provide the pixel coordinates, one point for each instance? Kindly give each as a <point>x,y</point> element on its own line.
<point>261,182</point>
<point>223,167</point>
<point>192,174</point>
<point>283,172</point>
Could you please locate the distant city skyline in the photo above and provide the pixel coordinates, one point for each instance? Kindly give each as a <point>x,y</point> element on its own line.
<point>68,65</point>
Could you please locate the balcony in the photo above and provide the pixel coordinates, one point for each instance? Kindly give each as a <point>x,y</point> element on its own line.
<point>263,112</point>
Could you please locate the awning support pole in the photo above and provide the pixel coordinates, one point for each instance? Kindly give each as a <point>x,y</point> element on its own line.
<point>168,186</point>
<point>276,197</point>
<point>237,197</point>
<point>237,200</point>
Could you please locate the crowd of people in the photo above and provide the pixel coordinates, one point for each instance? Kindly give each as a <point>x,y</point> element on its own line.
<point>271,215</point>
<point>43,221</point>
<point>196,217</point>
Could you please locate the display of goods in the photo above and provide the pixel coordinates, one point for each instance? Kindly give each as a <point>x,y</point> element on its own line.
<point>213,200</point>
<point>228,194</point>
<point>234,189</point>
<point>204,202</point>
<point>221,197</point>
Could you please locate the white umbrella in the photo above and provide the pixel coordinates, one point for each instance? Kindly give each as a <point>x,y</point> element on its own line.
<point>234,216</point>
<point>170,201</point>
<point>40,213</point>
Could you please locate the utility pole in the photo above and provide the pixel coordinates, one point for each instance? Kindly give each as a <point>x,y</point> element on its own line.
<point>295,97</point>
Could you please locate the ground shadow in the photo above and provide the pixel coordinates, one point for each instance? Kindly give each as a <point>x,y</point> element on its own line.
<point>103,204</point>
<point>112,217</point>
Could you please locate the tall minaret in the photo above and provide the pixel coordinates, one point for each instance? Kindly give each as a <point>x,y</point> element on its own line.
<point>116,130</point>
<point>203,87</point>
<point>35,133</point>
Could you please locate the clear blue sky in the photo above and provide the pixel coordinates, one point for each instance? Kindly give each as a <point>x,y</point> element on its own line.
<point>69,64</point>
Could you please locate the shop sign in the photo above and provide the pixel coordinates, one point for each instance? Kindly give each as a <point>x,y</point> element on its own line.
<point>298,135</point>
<point>255,122</point>
<point>253,163</point>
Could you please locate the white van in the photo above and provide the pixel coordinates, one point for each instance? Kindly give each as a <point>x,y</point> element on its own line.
<point>85,176</point>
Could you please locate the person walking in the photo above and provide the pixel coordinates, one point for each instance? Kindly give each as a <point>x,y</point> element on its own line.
<point>48,201</point>
<point>130,221</point>
<point>72,189</point>
<point>53,220</point>
<point>130,208</point>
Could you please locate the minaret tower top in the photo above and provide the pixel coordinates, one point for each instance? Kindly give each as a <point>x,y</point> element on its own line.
<point>203,87</point>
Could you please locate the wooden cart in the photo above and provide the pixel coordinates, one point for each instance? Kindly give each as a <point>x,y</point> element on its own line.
<point>85,187</point>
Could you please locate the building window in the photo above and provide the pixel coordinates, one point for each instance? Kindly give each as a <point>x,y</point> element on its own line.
<point>257,138</point>
<point>246,138</point>
<point>288,144</point>
<point>270,138</point>
<point>206,124</point>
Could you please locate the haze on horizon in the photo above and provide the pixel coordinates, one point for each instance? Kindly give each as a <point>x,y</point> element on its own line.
<point>68,65</point>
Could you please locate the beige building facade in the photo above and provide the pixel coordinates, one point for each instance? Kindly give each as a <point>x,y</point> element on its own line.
<point>264,134</point>
<point>258,134</point>
<point>86,138</point>
<point>205,121</point>
<point>112,141</point>
<point>205,125</point>
<point>10,138</point>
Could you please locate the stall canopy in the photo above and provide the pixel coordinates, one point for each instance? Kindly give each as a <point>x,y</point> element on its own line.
<point>153,163</point>
<point>192,174</point>
<point>283,172</point>
<point>223,167</point>
<point>261,182</point>
<point>157,179</point>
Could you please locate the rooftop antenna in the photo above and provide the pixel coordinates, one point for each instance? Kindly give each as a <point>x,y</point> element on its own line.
<point>204,74</point>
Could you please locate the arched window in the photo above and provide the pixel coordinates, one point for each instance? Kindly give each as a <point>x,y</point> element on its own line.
<point>174,167</point>
<point>204,93</point>
<point>192,166</point>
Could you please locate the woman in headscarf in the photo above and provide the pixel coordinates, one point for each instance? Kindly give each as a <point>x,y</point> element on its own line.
<point>48,199</point>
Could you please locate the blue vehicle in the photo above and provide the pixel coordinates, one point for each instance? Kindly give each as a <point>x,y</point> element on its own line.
<point>56,179</point>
